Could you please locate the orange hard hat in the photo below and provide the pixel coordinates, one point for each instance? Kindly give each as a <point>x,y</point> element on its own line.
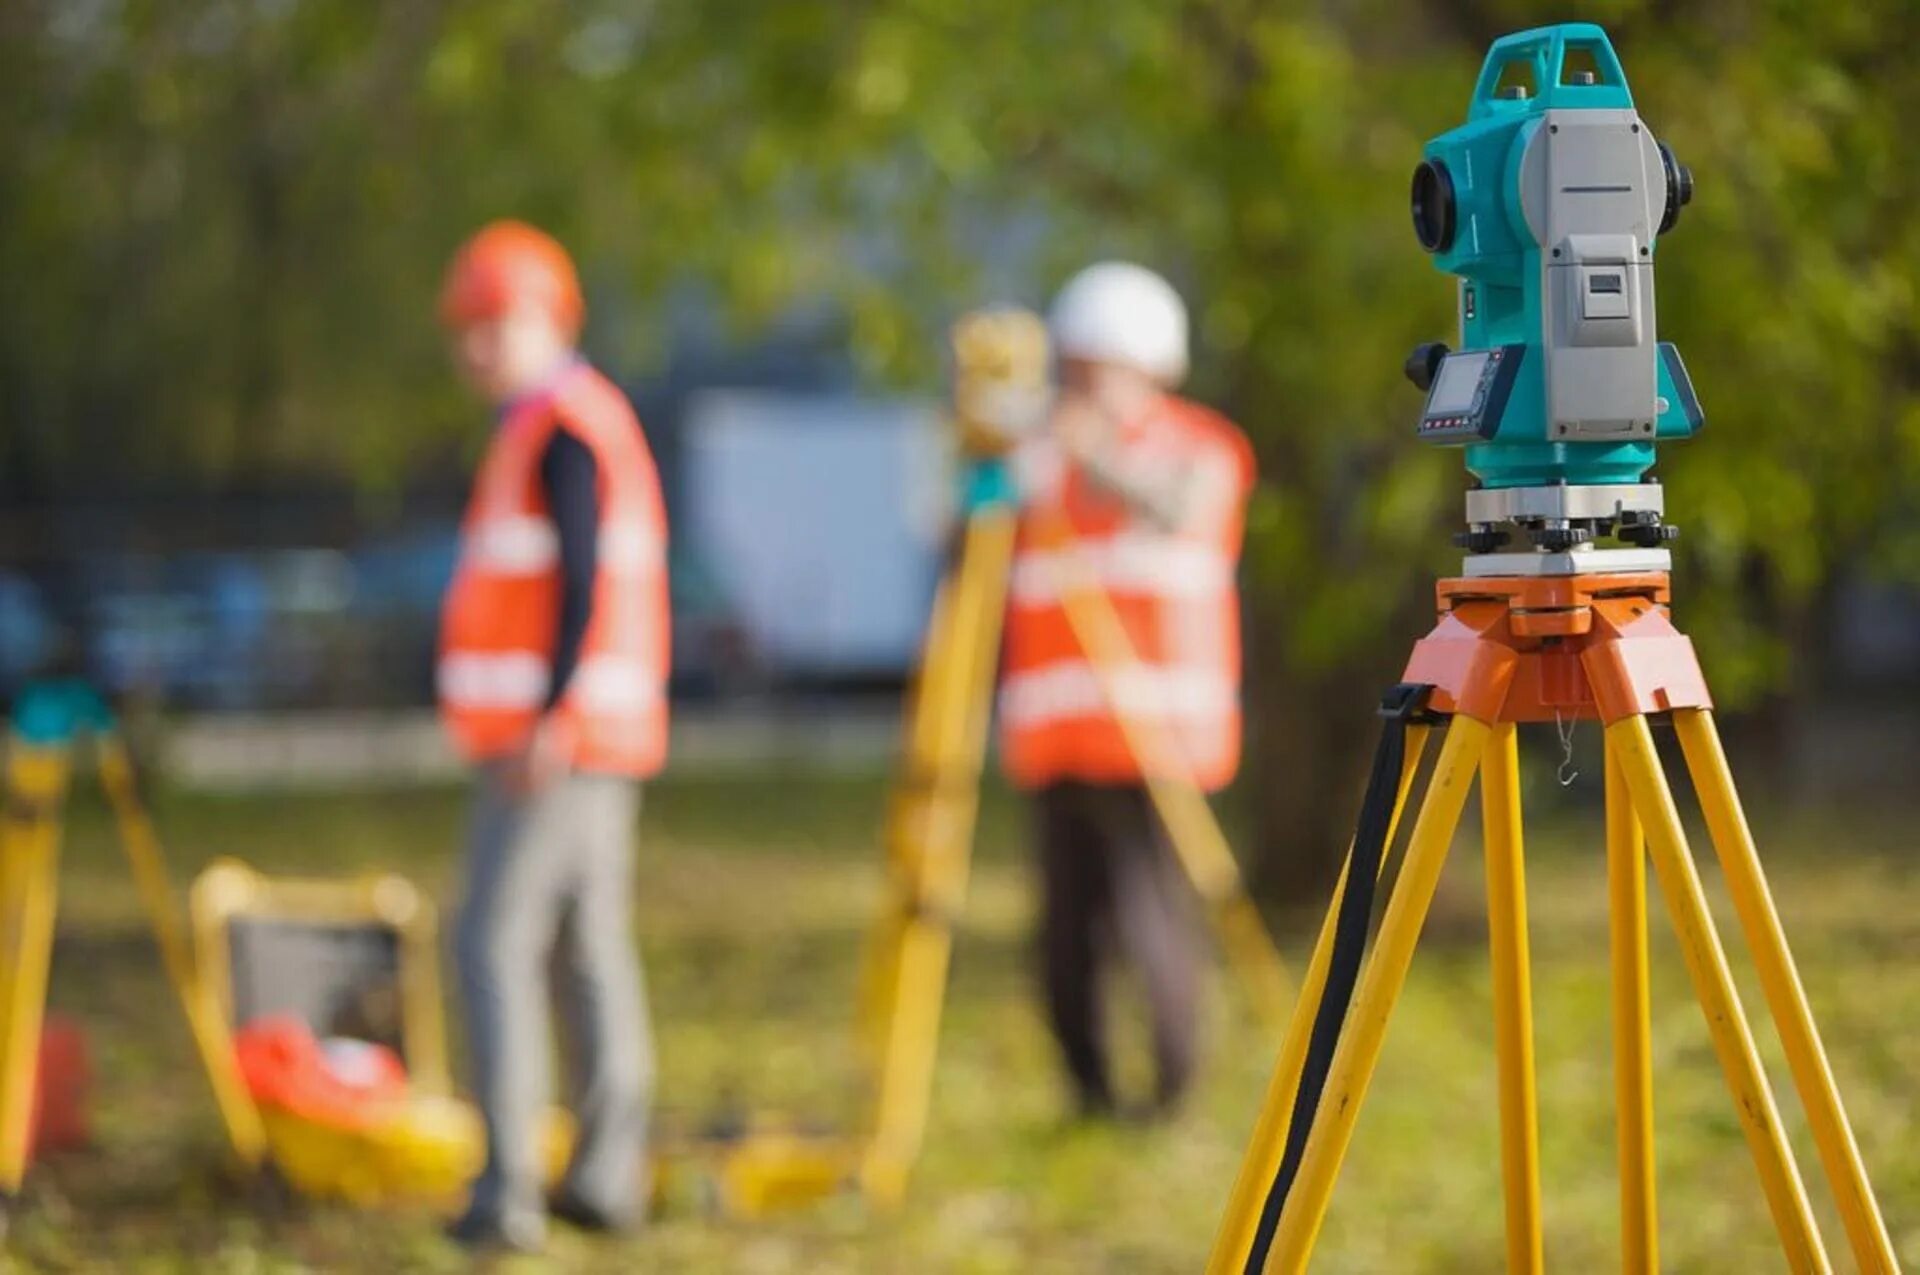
<point>509,263</point>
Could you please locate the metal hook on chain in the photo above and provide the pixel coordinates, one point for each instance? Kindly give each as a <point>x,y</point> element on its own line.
<point>1566,774</point>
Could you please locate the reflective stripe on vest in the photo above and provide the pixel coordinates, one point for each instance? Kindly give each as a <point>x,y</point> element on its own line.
<point>613,685</point>
<point>1067,689</point>
<point>514,544</point>
<point>1126,562</point>
<point>491,681</point>
<point>628,546</point>
<point>498,626</point>
<point>528,545</point>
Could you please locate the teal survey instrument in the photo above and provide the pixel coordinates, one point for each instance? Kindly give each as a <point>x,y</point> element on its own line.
<point>1548,204</point>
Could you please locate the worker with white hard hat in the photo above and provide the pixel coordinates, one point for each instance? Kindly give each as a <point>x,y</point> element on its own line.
<point>1154,488</point>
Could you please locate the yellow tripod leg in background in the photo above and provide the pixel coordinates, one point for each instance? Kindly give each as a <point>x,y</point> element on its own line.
<point>1632,742</point>
<point>29,856</point>
<point>932,700</point>
<point>1269,1142</point>
<point>1192,829</point>
<point>1000,388</point>
<point>1632,1034</point>
<point>1512,998</point>
<point>1380,984</point>
<point>929,843</point>
<point>1786,999</point>
<point>912,796</point>
<point>211,1037</point>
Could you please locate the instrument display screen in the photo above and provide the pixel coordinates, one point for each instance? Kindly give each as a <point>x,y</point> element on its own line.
<point>1459,377</point>
<point>1469,394</point>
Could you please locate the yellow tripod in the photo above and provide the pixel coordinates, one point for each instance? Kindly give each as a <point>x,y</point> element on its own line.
<point>1000,358</point>
<point>49,725</point>
<point>1517,649</point>
<point>1002,355</point>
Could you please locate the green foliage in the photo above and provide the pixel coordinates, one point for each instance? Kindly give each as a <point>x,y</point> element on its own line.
<point>221,226</point>
<point>1791,287</point>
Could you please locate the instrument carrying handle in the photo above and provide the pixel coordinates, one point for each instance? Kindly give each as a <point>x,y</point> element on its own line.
<point>1544,51</point>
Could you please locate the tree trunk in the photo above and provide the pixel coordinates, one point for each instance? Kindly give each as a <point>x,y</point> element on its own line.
<point>1310,735</point>
<point>1311,746</point>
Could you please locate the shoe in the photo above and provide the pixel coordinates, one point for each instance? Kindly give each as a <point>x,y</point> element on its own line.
<point>1093,1107</point>
<point>483,1230</point>
<point>1147,1114</point>
<point>581,1215</point>
<point>1163,1108</point>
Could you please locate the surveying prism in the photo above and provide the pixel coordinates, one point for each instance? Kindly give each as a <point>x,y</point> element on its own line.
<point>1547,204</point>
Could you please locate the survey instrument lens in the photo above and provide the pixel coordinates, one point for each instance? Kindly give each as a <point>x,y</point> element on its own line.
<point>1679,187</point>
<point>1433,206</point>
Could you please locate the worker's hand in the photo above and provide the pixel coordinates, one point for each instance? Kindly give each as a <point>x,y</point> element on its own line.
<point>1082,429</point>
<point>539,761</point>
<point>1171,495</point>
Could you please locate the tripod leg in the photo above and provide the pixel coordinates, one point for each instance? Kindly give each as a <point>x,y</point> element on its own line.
<point>931,836</point>
<point>1632,1045</point>
<point>1512,997</point>
<point>1385,975</point>
<point>30,846</point>
<point>914,793</point>
<point>1269,1143</point>
<point>1786,999</point>
<point>210,1035</point>
<point>1632,742</point>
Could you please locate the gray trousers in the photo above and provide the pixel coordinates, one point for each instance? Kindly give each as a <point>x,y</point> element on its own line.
<point>548,906</point>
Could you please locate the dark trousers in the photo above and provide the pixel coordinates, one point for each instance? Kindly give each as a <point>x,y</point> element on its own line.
<point>1111,888</point>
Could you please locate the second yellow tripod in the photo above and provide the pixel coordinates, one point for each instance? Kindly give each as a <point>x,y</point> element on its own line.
<point>929,833</point>
<point>1001,355</point>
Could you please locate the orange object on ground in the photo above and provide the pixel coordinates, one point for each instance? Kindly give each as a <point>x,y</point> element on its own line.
<point>341,1084</point>
<point>502,612</point>
<point>61,1085</point>
<point>510,263</point>
<point>344,1123</point>
<point>1175,595</point>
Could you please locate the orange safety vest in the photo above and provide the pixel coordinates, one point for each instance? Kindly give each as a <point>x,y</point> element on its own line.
<point>1175,595</point>
<point>502,612</point>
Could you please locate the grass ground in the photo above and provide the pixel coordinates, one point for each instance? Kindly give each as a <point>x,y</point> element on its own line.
<point>752,901</point>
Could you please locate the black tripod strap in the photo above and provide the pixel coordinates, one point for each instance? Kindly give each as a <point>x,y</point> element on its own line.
<point>1399,707</point>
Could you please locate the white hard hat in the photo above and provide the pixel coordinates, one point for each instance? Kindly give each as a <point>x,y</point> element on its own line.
<point>1117,312</point>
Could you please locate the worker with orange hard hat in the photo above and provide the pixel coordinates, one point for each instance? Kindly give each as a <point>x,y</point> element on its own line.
<point>552,682</point>
<point>1154,490</point>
